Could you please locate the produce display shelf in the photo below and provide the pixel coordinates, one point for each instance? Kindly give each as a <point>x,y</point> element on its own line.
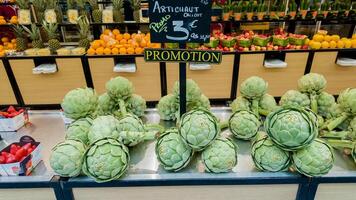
<point>342,21</point>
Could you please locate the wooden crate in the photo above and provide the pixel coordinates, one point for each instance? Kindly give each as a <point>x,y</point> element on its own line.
<point>7,96</point>
<point>215,82</point>
<point>48,88</point>
<point>146,79</point>
<point>338,77</point>
<point>279,80</point>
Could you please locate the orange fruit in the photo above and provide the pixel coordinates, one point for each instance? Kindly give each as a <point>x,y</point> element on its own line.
<point>127,36</point>
<point>5,39</point>
<point>119,37</point>
<point>2,21</point>
<point>1,47</point>
<point>138,50</point>
<point>129,41</point>
<point>102,37</point>
<point>135,44</point>
<point>143,43</point>
<point>96,44</point>
<point>115,51</point>
<point>116,31</point>
<point>123,41</point>
<point>14,21</point>
<point>107,32</point>
<point>130,50</point>
<point>107,51</point>
<point>122,50</point>
<point>99,51</point>
<point>10,46</point>
<point>2,53</point>
<point>1,17</point>
<point>102,43</point>
<point>91,51</point>
<point>13,41</point>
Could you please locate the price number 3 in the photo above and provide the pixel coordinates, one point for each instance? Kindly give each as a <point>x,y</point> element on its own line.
<point>178,28</point>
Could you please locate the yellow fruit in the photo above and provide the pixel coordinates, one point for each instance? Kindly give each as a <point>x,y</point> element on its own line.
<point>127,36</point>
<point>318,38</point>
<point>327,38</point>
<point>315,45</point>
<point>91,51</point>
<point>325,45</point>
<point>340,44</point>
<point>332,44</point>
<point>335,38</point>
<point>354,36</point>
<point>344,39</point>
<point>307,41</point>
<point>5,39</point>
<point>322,32</point>
<point>122,50</point>
<point>353,43</point>
<point>347,43</point>
<point>115,51</point>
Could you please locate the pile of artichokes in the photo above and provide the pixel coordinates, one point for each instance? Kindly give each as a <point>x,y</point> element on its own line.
<point>104,127</point>
<point>198,131</point>
<point>168,106</point>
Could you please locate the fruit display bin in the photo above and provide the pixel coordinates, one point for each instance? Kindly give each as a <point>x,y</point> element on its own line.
<point>7,96</point>
<point>146,179</point>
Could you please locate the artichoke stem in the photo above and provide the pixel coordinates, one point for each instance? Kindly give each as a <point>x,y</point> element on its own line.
<point>223,125</point>
<point>341,144</point>
<point>255,107</point>
<point>154,127</point>
<point>336,122</point>
<point>263,112</point>
<point>150,135</point>
<point>122,107</point>
<point>313,104</point>
<point>334,134</point>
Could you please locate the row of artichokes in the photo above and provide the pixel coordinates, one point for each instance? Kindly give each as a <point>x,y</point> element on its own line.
<point>104,127</point>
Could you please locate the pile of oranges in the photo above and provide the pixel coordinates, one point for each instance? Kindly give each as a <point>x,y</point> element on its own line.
<point>13,20</point>
<point>7,44</point>
<point>112,42</point>
<point>322,40</point>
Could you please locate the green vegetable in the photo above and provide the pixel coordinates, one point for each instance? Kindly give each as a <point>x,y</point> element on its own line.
<point>350,133</point>
<point>172,151</point>
<point>244,124</point>
<point>78,130</point>
<point>253,89</point>
<point>80,103</point>
<point>267,105</point>
<point>106,160</point>
<point>239,104</point>
<point>199,128</point>
<point>193,91</point>
<point>317,159</point>
<point>220,156</point>
<point>312,84</point>
<point>267,156</point>
<point>133,138</point>
<point>103,127</point>
<point>335,112</point>
<point>347,101</point>
<point>348,146</point>
<point>136,105</point>
<point>106,105</point>
<point>67,157</point>
<point>295,99</point>
<point>168,107</point>
<point>325,101</point>
<point>119,88</point>
<point>291,128</point>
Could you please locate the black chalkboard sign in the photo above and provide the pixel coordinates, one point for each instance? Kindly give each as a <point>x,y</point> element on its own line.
<point>180,20</point>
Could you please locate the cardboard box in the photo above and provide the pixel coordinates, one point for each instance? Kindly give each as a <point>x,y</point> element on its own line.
<point>15,123</point>
<point>24,167</point>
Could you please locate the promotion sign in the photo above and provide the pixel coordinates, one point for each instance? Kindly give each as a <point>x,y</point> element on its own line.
<point>180,55</point>
<point>180,20</point>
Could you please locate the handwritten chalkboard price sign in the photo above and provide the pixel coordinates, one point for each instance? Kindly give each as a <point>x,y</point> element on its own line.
<point>180,20</point>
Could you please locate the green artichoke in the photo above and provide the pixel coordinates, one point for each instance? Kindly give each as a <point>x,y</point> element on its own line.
<point>220,156</point>
<point>325,101</point>
<point>80,103</point>
<point>103,127</point>
<point>199,128</point>
<point>347,102</point>
<point>193,92</point>
<point>350,133</point>
<point>253,89</point>
<point>267,156</point>
<point>203,102</point>
<point>239,104</point>
<point>316,159</point>
<point>172,151</point>
<point>136,105</point>
<point>106,105</point>
<point>312,84</point>
<point>119,88</point>
<point>267,105</point>
<point>244,124</point>
<point>106,160</point>
<point>132,138</point>
<point>78,130</point>
<point>294,98</point>
<point>130,123</point>
<point>335,112</point>
<point>168,107</point>
<point>67,158</point>
<point>291,128</point>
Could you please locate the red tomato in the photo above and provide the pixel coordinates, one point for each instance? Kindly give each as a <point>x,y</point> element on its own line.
<point>13,149</point>
<point>11,109</point>
<point>26,146</point>
<point>5,154</point>
<point>10,159</point>
<point>20,154</point>
<point>29,151</point>
<point>34,147</point>
<point>2,159</point>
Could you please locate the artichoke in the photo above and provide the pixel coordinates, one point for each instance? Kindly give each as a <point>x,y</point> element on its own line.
<point>267,104</point>
<point>78,130</point>
<point>267,156</point>
<point>67,158</point>
<point>168,107</point>
<point>294,98</point>
<point>220,156</point>
<point>347,101</point>
<point>193,92</point>
<point>119,88</point>
<point>136,105</point>
<point>130,123</point>
<point>132,138</point>
<point>350,133</point>
<point>80,103</point>
<point>172,151</point>
<point>325,101</point>
<point>199,128</point>
<point>253,89</point>
<point>291,128</point>
<point>103,127</point>
<point>317,159</point>
<point>312,84</point>
<point>203,102</point>
<point>106,105</point>
<point>335,112</point>
<point>239,104</point>
<point>105,160</point>
<point>244,124</point>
